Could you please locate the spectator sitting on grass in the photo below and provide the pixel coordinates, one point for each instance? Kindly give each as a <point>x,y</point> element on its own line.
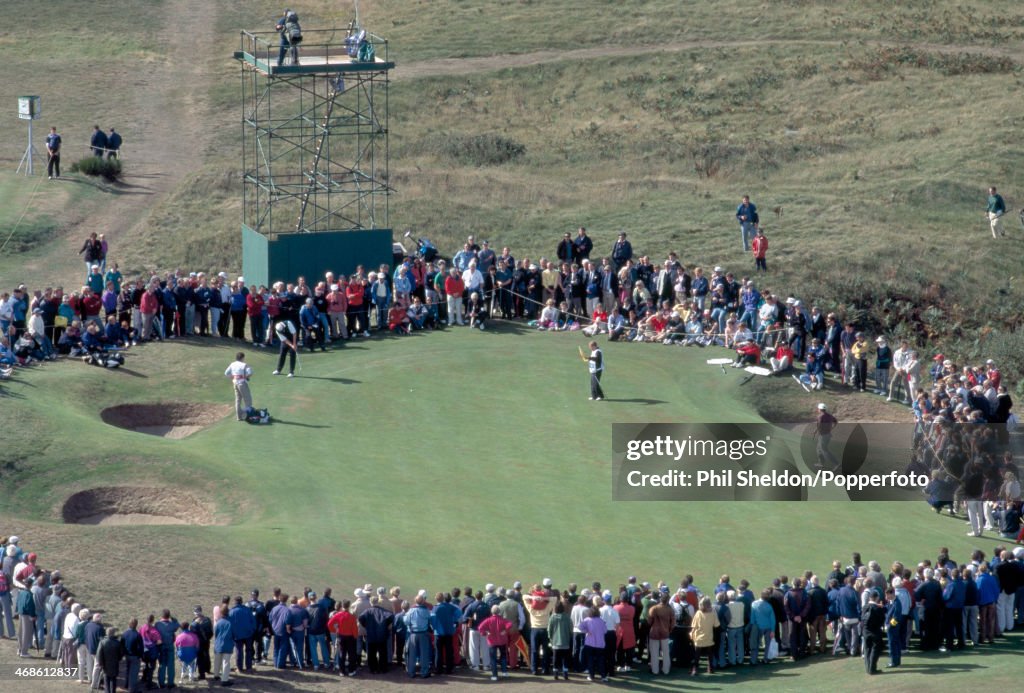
<point>782,360</point>
<point>599,322</point>
<point>419,315</point>
<point>548,316</point>
<point>814,377</point>
<point>398,320</point>
<point>617,325</point>
<point>476,311</point>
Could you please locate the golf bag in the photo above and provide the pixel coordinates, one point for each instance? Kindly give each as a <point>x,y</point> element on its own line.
<point>257,416</point>
<point>104,359</point>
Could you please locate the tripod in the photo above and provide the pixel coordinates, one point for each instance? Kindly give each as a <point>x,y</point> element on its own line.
<point>30,154</point>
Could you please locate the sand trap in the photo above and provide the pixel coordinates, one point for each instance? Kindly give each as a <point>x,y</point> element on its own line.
<point>175,420</point>
<point>129,519</point>
<point>136,505</point>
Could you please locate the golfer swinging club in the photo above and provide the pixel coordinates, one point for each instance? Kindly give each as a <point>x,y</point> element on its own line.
<point>240,372</point>
<point>595,363</point>
<point>289,337</point>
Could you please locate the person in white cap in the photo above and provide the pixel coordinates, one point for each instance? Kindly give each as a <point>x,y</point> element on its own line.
<point>823,433</point>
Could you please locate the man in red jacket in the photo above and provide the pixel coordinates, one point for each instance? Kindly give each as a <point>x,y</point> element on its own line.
<point>454,287</point>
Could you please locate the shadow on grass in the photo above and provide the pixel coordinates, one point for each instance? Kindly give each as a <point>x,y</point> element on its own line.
<point>343,381</point>
<point>636,400</point>
<point>298,423</point>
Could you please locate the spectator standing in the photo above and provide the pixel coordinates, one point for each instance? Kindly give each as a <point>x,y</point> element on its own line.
<point>661,620</point>
<point>92,252</point>
<point>564,252</point>
<point>223,646</point>
<point>759,246</point>
<point>25,608</point>
<point>872,618</point>
<point>495,630</point>
<point>883,360</point>
<point>108,659</point>
<point>746,215</point>
<point>98,142</point>
<point>995,211</point>
<point>823,432</point>
<point>581,246</point>
<point>53,142</point>
<point>621,251</point>
<point>114,142</point>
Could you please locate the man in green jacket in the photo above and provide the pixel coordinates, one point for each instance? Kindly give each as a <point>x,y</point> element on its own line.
<point>25,608</point>
<point>995,211</point>
<point>560,639</point>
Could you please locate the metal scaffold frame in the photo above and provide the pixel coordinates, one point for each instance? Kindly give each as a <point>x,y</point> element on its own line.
<point>314,135</point>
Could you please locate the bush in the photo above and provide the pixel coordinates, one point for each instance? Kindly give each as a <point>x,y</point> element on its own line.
<point>482,150</point>
<point>96,166</point>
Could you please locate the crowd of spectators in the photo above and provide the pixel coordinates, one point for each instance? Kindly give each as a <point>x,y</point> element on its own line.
<point>627,297</point>
<point>597,632</point>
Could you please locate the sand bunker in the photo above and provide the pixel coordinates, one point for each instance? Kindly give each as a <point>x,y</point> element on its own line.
<point>166,419</point>
<point>135,505</point>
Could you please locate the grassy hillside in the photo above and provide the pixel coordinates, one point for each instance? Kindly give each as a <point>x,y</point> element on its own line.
<point>874,129</point>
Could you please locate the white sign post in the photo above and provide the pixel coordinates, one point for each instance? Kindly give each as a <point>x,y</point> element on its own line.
<point>28,109</point>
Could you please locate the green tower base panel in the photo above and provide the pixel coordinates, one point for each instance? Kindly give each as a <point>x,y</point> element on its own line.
<point>311,255</point>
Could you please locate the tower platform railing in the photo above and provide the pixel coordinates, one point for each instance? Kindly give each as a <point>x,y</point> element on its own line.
<point>322,51</point>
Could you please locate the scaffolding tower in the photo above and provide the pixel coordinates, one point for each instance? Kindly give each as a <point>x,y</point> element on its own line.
<point>314,134</point>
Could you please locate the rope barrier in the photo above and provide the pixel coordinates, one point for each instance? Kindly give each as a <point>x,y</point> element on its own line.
<point>581,318</point>
<point>23,213</point>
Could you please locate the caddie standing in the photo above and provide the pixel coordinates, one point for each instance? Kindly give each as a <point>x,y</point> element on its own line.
<point>240,372</point>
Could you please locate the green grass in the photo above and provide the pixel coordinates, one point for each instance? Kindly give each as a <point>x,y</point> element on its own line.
<point>456,457</point>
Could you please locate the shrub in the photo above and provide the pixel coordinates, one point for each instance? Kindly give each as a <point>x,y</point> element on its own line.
<point>482,150</point>
<point>97,166</point>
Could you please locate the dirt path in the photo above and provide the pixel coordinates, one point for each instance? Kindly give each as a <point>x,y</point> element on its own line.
<point>167,144</point>
<point>447,67</point>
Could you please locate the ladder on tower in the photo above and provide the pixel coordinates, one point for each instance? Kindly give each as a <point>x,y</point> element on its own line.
<point>335,87</point>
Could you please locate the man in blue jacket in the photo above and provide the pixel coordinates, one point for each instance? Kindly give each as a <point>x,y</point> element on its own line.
<point>312,330</point>
<point>114,142</point>
<point>444,620</point>
<point>848,603</point>
<point>953,616</point>
<point>223,645</point>
<point>418,621</point>
<point>746,215</point>
<point>279,627</point>
<point>133,651</point>
<point>621,251</point>
<point>167,626</point>
<point>243,628</point>
<point>98,142</point>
